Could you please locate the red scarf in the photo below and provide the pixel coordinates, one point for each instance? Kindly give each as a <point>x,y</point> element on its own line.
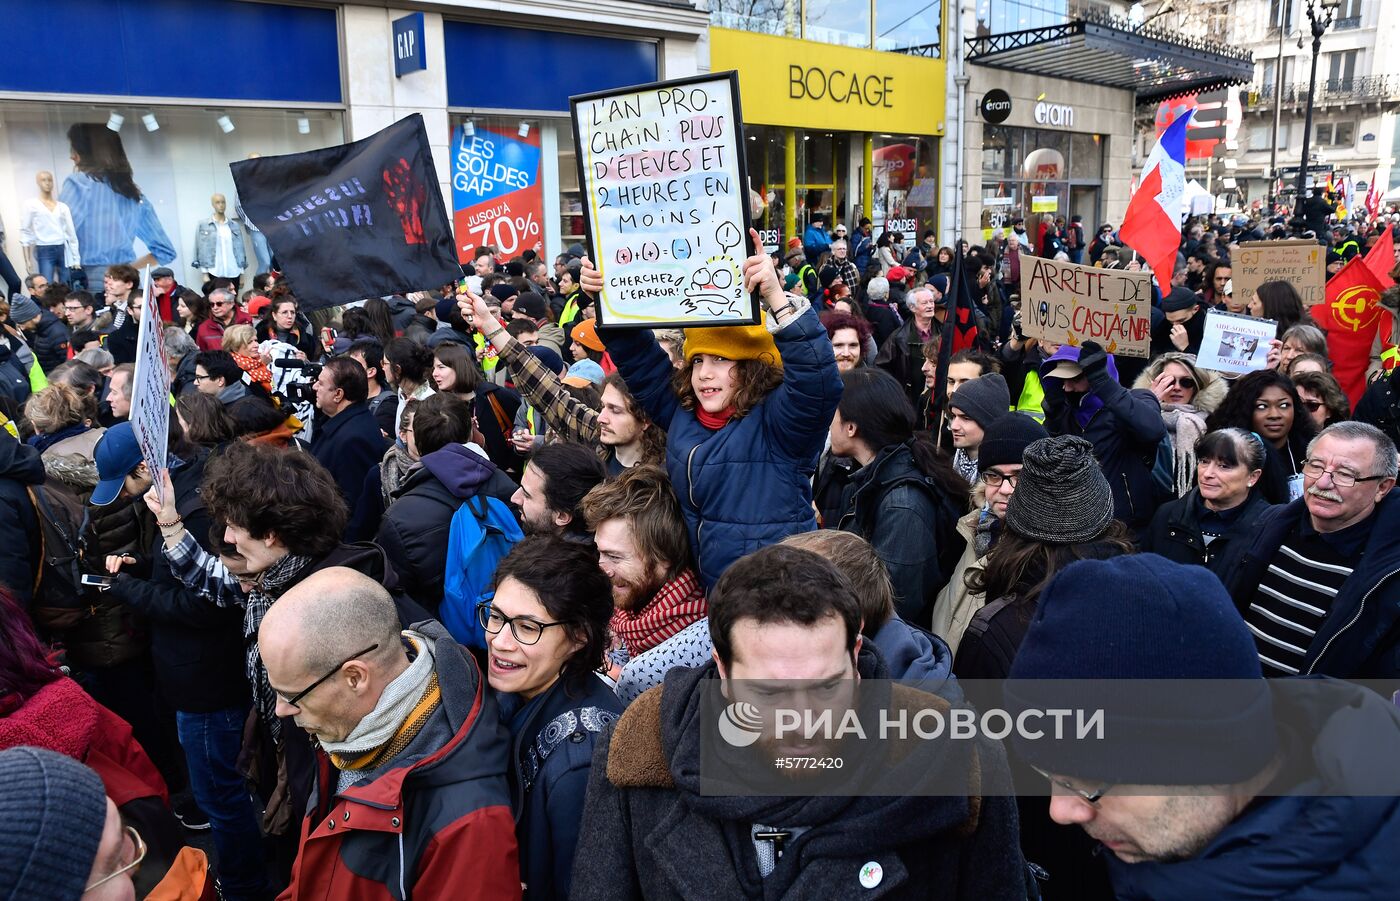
<point>678,604</point>
<point>714,421</point>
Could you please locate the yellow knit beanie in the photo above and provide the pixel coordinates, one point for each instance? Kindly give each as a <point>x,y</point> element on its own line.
<point>733,342</point>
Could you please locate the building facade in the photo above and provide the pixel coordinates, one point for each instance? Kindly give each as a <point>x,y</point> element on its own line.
<point>144,91</point>
<point>1356,97</point>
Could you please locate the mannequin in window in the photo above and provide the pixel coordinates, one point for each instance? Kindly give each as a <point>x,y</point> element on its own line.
<point>260,249</point>
<point>47,234</point>
<point>218,244</point>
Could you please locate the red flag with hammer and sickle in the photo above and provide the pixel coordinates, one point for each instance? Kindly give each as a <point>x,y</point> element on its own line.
<point>1353,320</point>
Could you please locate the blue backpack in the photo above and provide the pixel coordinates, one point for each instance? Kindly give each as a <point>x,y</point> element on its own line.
<point>482,532</point>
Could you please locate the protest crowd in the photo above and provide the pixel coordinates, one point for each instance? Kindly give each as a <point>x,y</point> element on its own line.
<point>424,600</point>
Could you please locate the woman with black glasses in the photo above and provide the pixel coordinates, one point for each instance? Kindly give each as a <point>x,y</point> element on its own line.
<point>546,632</point>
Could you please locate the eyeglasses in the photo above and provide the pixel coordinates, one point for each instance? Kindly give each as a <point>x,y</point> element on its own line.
<point>295,700</point>
<point>526,631</point>
<point>1314,469</point>
<point>219,303</point>
<point>994,479</point>
<point>139,847</point>
<point>200,378</point>
<point>1186,382</point>
<point>1312,405</point>
<point>1090,797</point>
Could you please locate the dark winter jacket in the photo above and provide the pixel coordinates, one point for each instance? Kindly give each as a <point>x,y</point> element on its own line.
<point>401,312</point>
<point>20,467</point>
<point>349,444</point>
<point>299,336</point>
<point>1360,638</point>
<point>1125,426</point>
<point>493,430</point>
<point>184,374</point>
<point>197,646</point>
<point>414,530</point>
<point>50,343</point>
<point>435,822</point>
<point>1319,840</point>
<point>829,487</point>
<point>14,380</point>
<point>652,834</point>
<point>552,739</point>
<point>902,356</point>
<point>749,484</point>
<point>1175,533</point>
<point>121,341</point>
<point>912,525</point>
<point>1380,405</point>
<point>918,657</point>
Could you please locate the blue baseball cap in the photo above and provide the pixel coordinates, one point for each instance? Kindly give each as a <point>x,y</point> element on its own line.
<point>116,456</point>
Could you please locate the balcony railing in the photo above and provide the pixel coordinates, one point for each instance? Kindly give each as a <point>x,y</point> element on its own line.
<point>1348,23</point>
<point>1370,88</point>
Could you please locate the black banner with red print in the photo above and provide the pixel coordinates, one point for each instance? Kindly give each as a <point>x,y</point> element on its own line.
<point>364,219</point>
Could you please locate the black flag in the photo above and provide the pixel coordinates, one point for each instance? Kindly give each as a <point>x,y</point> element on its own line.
<point>360,220</point>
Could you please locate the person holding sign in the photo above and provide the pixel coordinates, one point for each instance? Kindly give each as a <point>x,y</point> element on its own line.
<point>745,417</point>
<point>1083,398</point>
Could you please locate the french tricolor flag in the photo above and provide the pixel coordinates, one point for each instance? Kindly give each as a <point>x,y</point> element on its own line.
<point>1152,225</point>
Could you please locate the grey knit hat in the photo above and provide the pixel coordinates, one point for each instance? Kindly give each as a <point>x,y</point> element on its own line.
<point>1062,496</point>
<point>54,810</point>
<point>984,400</point>
<point>22,309</point>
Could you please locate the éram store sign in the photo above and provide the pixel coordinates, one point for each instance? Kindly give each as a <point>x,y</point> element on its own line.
<point>788,82</point>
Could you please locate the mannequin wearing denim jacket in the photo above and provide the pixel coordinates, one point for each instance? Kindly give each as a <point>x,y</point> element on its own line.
<point>220,262</point>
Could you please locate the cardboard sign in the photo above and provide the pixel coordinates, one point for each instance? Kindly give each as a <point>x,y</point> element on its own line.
<point>1068,304</point>
<point>1235,344</point>
<point>1301,263</point>
<point>150,388</point>
<point>666,201</point>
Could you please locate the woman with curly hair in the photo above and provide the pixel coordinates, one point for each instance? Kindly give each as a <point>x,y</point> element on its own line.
<point>745,418</point>
<point>1267,403</point>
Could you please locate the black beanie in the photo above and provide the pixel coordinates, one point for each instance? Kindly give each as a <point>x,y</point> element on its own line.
<point>984,400</point>
<point>1005,440</point>
<point>54,810</point>
<point>1062,496</point>
<point>1121,635</point>
<point>1180,299</point>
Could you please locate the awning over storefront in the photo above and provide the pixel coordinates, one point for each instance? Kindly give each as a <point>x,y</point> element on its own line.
<point>1154,63</point>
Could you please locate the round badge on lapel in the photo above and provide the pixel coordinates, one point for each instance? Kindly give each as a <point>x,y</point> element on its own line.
<point>871,874</point>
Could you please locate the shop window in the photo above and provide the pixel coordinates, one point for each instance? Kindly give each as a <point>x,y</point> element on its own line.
<point>758,16</point>
<point>1086,156</point>
<point>496,171</point>
<point>845,22</point>
<point>906,168</point>
<point>1001,150</point>
<point>909,25</point>
<point>178,157</point>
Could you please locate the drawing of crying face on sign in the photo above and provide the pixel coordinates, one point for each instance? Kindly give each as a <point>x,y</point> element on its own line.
<point>715,289</point>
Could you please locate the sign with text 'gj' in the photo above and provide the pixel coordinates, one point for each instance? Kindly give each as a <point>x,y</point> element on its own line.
<point>1068,304</point>
<point>1300,263</point>
<point>497,198</point>
<point>666,201</point>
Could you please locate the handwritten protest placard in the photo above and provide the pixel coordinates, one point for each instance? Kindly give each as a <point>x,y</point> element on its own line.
<point>666,201</point>
<point>1235,344</point>
<point>150,389</point>
<point>1300,263</point>
<point>1069,304</point>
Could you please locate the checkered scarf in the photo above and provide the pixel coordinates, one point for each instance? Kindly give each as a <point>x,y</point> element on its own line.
<point>676,605</point>
<point>265,592</point>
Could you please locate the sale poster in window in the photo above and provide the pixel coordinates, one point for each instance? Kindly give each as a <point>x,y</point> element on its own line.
<point>497,197</point>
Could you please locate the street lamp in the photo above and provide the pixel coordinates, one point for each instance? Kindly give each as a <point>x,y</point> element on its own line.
<point>1320,15</point>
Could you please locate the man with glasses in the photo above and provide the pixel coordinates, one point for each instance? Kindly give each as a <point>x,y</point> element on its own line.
<point>999,456</point>
<point>224,313</point>
<point>1320,588</point>
<point>411,793</point>
<point>63,838</point>
<point>1234,787</point>
<point>80,310</point>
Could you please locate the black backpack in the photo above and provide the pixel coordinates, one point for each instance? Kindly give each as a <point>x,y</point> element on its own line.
<point>60,597</point>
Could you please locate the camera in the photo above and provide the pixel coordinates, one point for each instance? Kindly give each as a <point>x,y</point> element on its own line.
<point>302,391</point>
